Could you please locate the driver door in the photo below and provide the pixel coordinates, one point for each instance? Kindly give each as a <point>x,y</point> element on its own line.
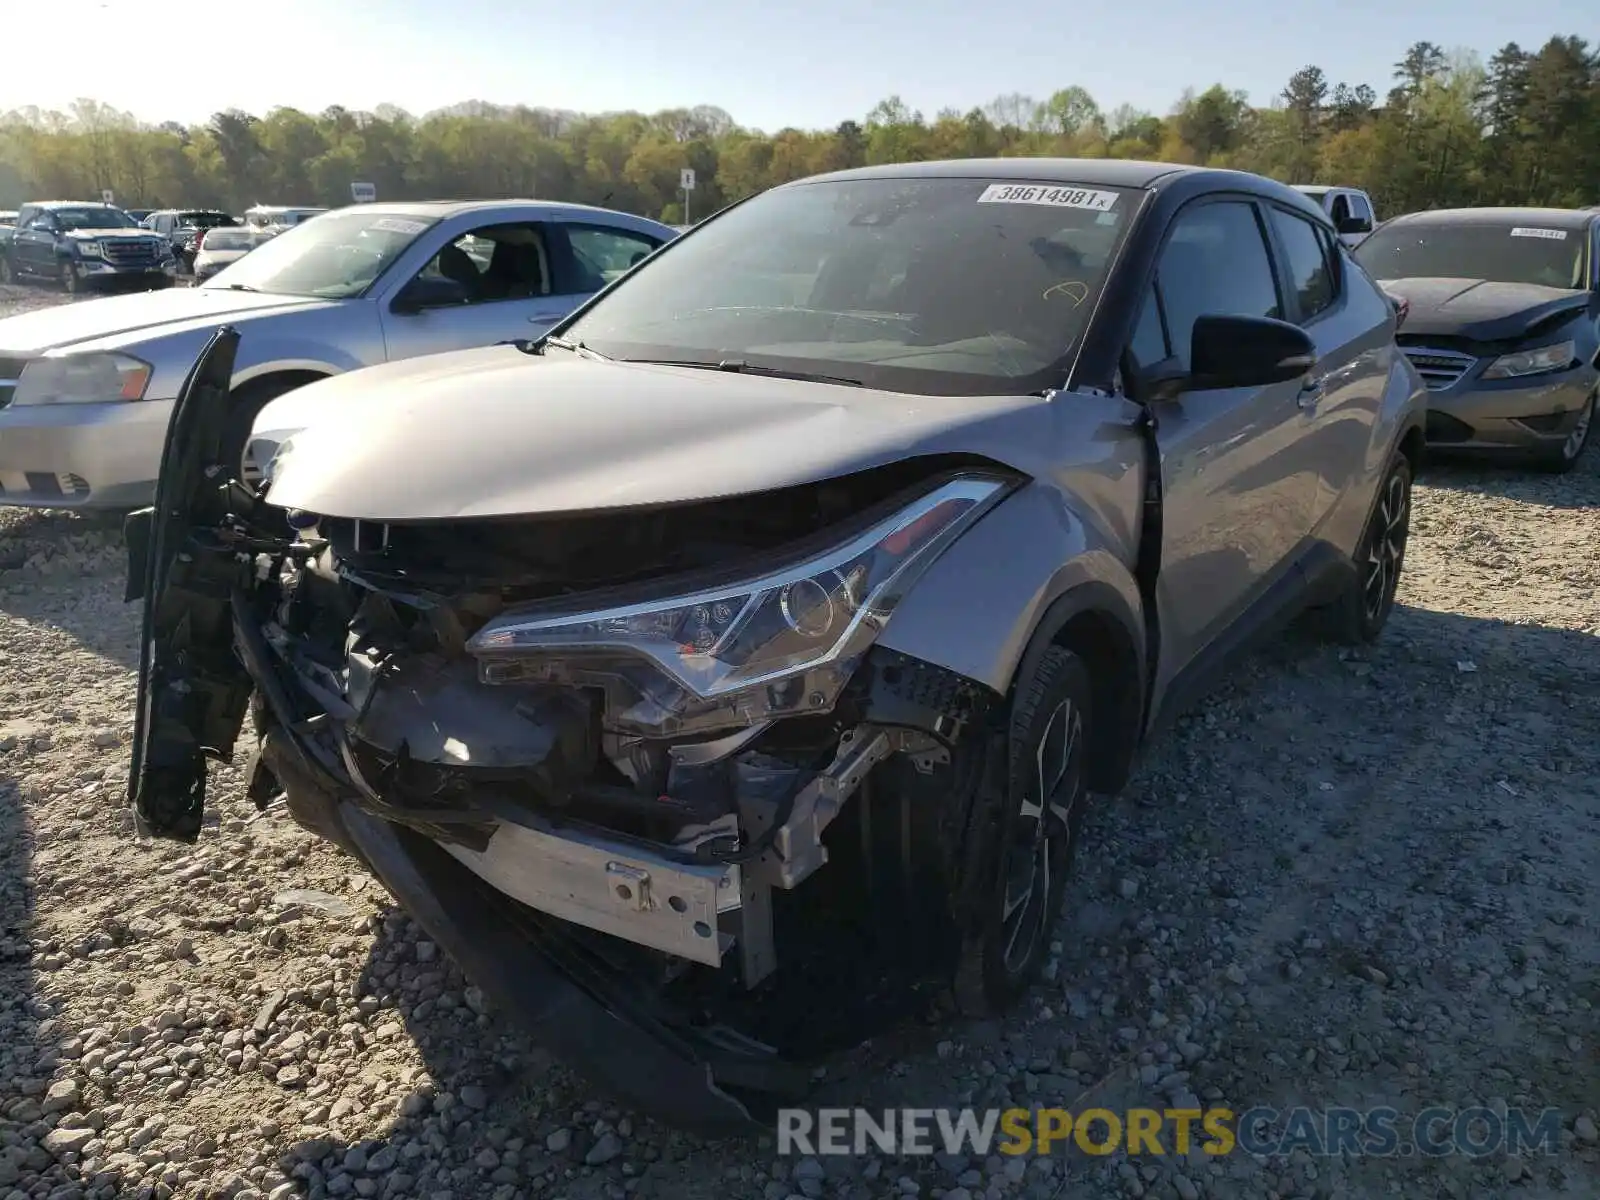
<point>1237,476</point>
<point>487,286</point>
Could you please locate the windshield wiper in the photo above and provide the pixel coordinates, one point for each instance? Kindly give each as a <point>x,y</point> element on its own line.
<point>536,346</point>
<point>737,366</point>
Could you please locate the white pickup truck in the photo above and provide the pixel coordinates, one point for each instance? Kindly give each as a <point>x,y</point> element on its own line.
<point>1350,210</point>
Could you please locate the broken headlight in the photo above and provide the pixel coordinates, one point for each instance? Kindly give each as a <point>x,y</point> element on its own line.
<point>784,643</point>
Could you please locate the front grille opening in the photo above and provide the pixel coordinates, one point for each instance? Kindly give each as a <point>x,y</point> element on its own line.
<point>1443,428</point>
<point>1439,368</point>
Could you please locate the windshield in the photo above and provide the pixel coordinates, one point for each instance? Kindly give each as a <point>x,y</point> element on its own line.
<point>336,257</point>
<point>1503,252</point>
<point>96,217</point>
<point>942,286</point>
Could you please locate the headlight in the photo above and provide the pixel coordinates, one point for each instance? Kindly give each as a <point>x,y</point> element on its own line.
<point>82,379</point>
<point>1532,362</point>
<point>89,250</point>
<point>783,643</point>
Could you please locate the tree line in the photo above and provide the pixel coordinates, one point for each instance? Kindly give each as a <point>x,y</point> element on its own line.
<point>1451,129</point>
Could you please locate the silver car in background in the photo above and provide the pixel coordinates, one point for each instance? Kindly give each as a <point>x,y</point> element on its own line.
<point>86,389</point>
<point>225,245</point>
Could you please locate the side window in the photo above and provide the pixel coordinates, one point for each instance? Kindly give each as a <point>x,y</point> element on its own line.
<point>495,262</point>
<point>1149,345</point>
<point>1359,208</point>
<point>601,253</point>
<point>1215,262</point>
<point>1306,262</point>
<point>1340,208</point>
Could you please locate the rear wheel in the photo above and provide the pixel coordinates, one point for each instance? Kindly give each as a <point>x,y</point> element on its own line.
<point>1036,821</point>
<point>1564,457</point>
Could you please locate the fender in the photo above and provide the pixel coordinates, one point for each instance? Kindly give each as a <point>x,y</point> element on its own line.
<point>1019,575</point>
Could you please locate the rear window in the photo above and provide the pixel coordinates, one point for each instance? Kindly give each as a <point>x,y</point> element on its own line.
<point>228,239</point>
<point>205,220</point>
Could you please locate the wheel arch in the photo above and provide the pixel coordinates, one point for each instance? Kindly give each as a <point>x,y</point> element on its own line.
<point>255,380</point>
<point>1094,621</point>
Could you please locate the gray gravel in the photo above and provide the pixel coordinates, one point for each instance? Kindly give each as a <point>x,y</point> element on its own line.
<point>1347,879</point>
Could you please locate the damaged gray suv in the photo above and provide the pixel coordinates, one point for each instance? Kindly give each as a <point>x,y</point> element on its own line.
<point>732,668</point>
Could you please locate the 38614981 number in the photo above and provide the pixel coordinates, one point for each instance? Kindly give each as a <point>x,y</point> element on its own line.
<point>1054,197</point>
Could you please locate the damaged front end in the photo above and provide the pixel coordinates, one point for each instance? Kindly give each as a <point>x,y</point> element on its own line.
<point>600,757</point>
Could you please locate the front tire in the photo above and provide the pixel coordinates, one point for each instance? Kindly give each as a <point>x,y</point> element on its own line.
<point>1562,459</point>
<point>67,276</point>
<point>1035,821</point>
<point>1362,612</point>
<point>8,274</point>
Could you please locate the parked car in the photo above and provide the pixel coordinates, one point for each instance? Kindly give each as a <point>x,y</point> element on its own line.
<point>139,214</point>
<point>223,245</point>
<point>82,245</point>
<point>183,227</point>
<point>1350,209</point>
<point>278,216</point>
<point>356,286</point>
<point>1503,322</point>
<point>747,651</point>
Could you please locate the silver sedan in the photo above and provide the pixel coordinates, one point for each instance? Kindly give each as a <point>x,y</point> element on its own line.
<point>86,389</point>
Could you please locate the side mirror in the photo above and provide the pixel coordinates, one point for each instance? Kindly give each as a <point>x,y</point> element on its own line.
<point>1229,352</point>
<point>1354,225</point>
<point>428,291</point>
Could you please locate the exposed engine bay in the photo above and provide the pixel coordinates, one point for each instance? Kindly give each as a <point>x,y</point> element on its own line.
<point>642,730</point>
<point>598,784</point>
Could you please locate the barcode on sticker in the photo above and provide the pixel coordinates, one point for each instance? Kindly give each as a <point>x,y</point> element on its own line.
<point>1555,235</point>
<point>1054,197</point>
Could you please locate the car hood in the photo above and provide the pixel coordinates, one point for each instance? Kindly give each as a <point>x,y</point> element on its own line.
<point>84,235</point>
<point>1480,310</point>
<point>169,310</point>
<point>495,432</point>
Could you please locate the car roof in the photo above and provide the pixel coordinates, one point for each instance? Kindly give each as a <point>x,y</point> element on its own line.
<point>451,208</point>
<point>1081,172</point>
<point>1549,218</point>
<point>71,204</point>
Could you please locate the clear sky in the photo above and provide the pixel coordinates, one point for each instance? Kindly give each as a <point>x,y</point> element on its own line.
<point>769,63</point>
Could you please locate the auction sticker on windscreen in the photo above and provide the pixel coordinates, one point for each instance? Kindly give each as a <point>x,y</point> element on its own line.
<point>399,225</point>
<point>1055,197</point>
<point>1555,235</point>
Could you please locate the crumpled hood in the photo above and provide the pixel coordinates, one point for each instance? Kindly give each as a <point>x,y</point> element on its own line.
<point>136,316</point>
<point>495,432</point>
<point>1478,309</point>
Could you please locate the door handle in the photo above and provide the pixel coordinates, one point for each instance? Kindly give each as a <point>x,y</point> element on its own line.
<point>1310,393</point>
<point>544,318</point>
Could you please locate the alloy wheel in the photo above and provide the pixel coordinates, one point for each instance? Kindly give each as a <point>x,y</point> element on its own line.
<point>1041,848</point>
<point>1386,546</point>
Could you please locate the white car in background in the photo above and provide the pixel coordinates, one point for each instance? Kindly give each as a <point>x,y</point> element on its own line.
<point>1350,209</point>
<point>224,245</point>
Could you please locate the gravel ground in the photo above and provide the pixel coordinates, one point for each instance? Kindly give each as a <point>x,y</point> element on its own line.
<point>1348,879</point>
